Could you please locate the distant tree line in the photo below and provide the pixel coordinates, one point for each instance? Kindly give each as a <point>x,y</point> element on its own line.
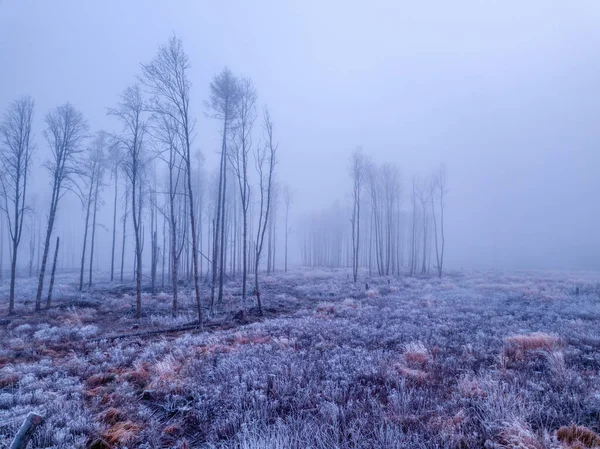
<point>382,235</point>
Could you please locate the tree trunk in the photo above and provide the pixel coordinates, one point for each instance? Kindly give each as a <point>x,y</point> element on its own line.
<point>26,431</point>
<point>85,233</point>
<point>93,232</point>
<point>222,254</point>
<point>53,273</point>
<point>51,217</point>
<point>124,234</point>
<point>114,233</point>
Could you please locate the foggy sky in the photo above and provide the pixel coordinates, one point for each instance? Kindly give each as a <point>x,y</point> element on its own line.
<point>506,93</point>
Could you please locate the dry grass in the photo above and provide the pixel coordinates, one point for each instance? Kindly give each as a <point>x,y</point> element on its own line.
<point>112,416</point>
<point>8,380</point>
<point>416,353</point>
<point>577,437</point>
<point>417,376</point>
<point>518,346</point>
<point>518,435</point>
<point>97,380</point>
<point>121,433</point>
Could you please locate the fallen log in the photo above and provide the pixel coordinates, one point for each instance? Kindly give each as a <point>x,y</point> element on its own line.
<point>26,431</point>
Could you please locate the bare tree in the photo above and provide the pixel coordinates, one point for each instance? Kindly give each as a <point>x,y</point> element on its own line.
<point>438,192</point>
<point>239,155</point>
<point>423,194</point>
<point>357,172</point>
<point>413,240</point>
<point>166,133</point>
<point>91,171</point>
<point>65,133</point>
<point>15,157</point>
<point>166,76</point>
<point>99,144</point>
<point>131,113</point>
<point>265,177</point>
<point>287,200</point>
<point>116,158</point>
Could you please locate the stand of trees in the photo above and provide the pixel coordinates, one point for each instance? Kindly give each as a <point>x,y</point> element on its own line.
<point>202,231</point>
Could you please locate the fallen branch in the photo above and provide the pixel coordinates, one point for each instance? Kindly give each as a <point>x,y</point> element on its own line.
<point>26,431</point>
<point>186,327</point>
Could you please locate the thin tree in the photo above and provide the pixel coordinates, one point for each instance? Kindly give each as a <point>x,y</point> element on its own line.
<point>115,156</point>
<point>131,113</point>
<point>101,165</point>
<point>90,173</point>
<point>223,99</point>
<point>265,177</point>
<point>166,134</point>
<point>239,157</point>
<point>167,77</point>
<point>438,192</point>
<point>15,156</point>
<point>65,132</point>
<point>287,200</point>
<point>357,173</point>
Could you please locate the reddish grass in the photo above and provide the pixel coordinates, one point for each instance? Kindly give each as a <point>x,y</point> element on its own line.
<point>416,375</point>
<point>112,416</point>
<point>100,379</point>
<point>140,376</point>
<point>416,354</point>
<point>577,437</point>
<point>121,433</point>
<point>517,346</point>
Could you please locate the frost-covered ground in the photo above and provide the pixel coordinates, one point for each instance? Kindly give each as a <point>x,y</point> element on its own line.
<point>477,359</point>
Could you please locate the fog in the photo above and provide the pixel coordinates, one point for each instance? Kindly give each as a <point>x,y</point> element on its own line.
<point>505,94</point>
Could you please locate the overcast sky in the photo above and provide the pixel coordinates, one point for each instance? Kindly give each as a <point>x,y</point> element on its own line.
<point>506,93</point>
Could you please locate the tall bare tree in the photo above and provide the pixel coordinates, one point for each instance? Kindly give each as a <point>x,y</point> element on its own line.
<point>423,195</point>
<point>131,113</point>
<point>66,130</point>
<point>287,200</point>
<point>91,172</point>
<point>116,159</point>
<point>438,192</point>
<point>166,133</point>
<point>239,156</point>
<point>357,172</point>
<point>100,145</point>
<point>224,94</point>
<point>167,77</point>
<point>264,155</point>
<point>15,156</point>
